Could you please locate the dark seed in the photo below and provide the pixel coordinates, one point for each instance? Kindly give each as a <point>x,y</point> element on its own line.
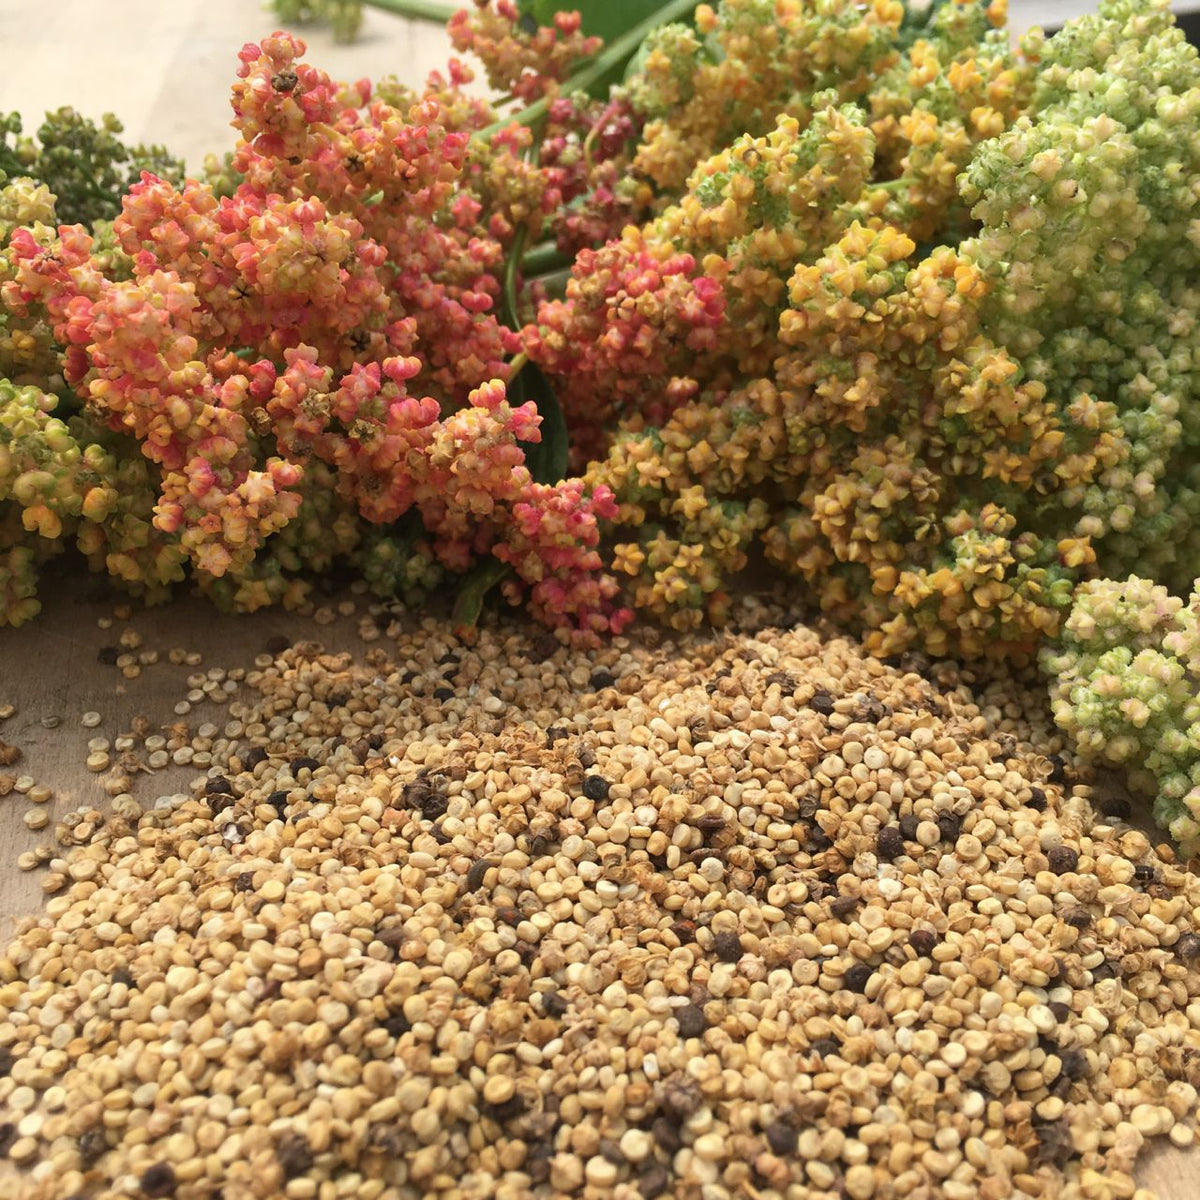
<point>822,702</point>
<point>1188,947</point>
<point>1074,1063</point>
<point>537,1163</point>
<point>253,757</point>
<point>856,978</point>
<point>384,1139</point>
<point>440,836</point>
<point>922,942</point>
<point>727,947</point>
<point>556,733</point>
<point>653,1181</point>
<point>514,1106</point>
<point>300,764</point>
<point>1108,969</point>
<point>1062,859</point>
<point>278,801</point>
<point>93,1144</point>
<point>1037,800</point>
<point>478,871</point>
<point>1116,806</point>
<point>666,1135</point>
<point>1054,1146</point>
<point>950,827</point>
<point>391,936</point>
<point>843,905</point>
<point>244,882</point>
<point>596,787</point>
<point>429,802</point>
<point>443,693</point>
<point>611,1152</point>
<point>685,931</point>
<point>825,1047</point>
<point>908,828</point>
<point>1059,1010</point>
<point>107,655</point>
<point>375,740</point>
<point>219,802</point>
<point>691,1020</point>
<point>554,1003</point>
<point>601,680</point>
<point>710,824</point>
<point>121,975</point>
<point>543,647</point>
<point>220,786</point>
<point>889,843</point>
<point>782,1138</point>
<point>1078,918</point>
<point>294,1155</point>
<point>158,1180</point>
<point>1144,873</point>
<point>1058,769</point>
<point>681,1096</point>
<point>397,1025</point>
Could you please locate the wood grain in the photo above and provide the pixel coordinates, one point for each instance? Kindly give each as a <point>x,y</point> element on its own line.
<point>50,669</point>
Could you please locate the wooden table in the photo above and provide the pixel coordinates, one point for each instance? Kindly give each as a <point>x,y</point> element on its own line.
<point>50,669</point>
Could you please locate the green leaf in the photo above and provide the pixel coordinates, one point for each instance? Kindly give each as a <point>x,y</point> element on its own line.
<point>469,602</point>
<point>547,459</point>
<point>608,19</point>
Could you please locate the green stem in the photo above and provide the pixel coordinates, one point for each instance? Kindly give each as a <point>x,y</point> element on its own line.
<point>608,58</point>
<point>420,10</point>
<point>543,258</point>
<point>515,364</point>
<point>510,277</point>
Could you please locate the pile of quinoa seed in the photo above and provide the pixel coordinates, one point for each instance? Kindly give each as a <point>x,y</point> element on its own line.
<point>753,916</point>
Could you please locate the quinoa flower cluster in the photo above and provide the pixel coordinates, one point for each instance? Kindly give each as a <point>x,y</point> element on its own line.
<point>320,349</point>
